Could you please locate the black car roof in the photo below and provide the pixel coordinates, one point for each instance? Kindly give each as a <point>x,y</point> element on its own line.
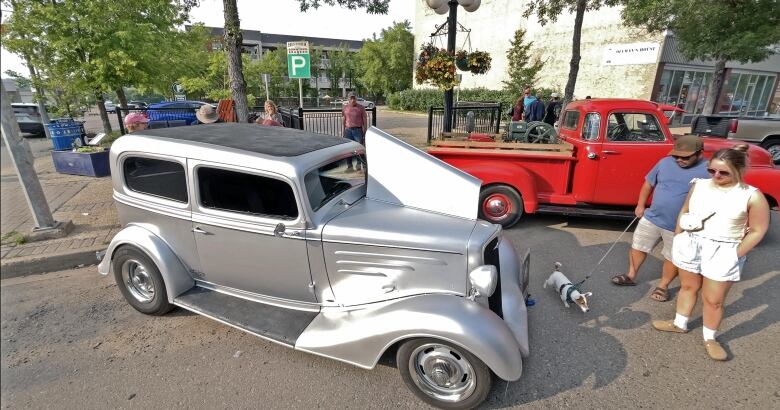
<point>274,141</point>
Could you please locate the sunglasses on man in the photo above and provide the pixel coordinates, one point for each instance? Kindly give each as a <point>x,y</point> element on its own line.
<point>685,158</point>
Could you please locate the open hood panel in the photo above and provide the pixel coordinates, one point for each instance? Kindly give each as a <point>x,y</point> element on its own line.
<point>401,174</point>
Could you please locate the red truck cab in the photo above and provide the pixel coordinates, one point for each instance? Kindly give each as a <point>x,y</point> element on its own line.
<point>606,148</point>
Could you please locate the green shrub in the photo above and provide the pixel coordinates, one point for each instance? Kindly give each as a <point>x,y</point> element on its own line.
<point>421,99</point>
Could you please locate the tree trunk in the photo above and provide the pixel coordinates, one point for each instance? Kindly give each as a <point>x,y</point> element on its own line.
<point>574,64</point>
<point>233,40</point>
<point>101,104</point>
<point>713,89</point>
<point>120,95</point>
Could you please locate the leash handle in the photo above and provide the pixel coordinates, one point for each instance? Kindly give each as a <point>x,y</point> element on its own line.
<point>608,251</point>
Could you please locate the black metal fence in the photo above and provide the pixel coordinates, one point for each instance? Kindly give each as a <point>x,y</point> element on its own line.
<point>320,120</point>
<point>466,117</point>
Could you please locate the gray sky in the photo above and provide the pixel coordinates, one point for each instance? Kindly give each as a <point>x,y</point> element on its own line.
<point>282,17</point>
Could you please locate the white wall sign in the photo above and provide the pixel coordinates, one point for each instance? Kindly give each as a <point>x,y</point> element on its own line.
<point>627,54</point>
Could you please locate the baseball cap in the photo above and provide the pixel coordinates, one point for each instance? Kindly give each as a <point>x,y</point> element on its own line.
<point>351,94</point>
<point>135,118</point>
<point>554,95</point>
<point>687,145</point>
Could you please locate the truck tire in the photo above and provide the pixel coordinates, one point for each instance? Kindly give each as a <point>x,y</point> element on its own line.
<point>140,282</point>
<point>442,374</point>
<point>500,204</point>
<point>772,144</point>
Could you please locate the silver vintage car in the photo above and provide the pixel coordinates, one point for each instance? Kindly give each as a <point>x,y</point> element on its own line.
<point>289,236</point>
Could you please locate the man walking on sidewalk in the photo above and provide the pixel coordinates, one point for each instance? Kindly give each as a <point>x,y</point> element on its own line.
<point>355,123</point>
<point>669,183</point>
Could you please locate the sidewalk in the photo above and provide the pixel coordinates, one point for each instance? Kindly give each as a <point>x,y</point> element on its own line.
<point>85,201</point>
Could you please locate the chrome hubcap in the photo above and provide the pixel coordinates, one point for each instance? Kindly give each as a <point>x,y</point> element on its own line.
<point>137,280</point>
<point>442,372</point>
<point>496,206</point>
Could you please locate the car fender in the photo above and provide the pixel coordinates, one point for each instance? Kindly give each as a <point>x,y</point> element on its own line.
<point>516,176</point>
<point>360,336</point>
<point>765,179</point>
<point>174,273</point>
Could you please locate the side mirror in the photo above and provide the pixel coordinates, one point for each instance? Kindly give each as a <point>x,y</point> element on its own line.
<point>279,230</point>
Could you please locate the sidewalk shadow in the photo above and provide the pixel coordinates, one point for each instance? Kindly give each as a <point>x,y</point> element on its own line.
<point>570,348</point>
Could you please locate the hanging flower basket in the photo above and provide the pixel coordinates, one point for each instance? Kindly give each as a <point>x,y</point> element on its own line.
<point>437,67</point>
<point>462,60</point>
<point>479,62</point>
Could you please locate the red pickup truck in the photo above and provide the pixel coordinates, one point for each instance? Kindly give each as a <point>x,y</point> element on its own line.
<point>605,149</point>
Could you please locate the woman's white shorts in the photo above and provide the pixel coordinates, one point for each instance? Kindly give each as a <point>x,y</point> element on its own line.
<point>712,259</point>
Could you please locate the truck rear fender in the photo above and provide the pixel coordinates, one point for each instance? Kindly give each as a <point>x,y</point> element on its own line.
<point>767,180</point>
<point>509,174</point>
<point>360,336</point>
<point>174,273</point>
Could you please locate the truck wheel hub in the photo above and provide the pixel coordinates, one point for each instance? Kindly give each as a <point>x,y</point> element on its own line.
<point>497,206</point>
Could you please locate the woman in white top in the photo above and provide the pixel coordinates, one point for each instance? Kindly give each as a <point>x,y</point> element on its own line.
<point>721,221</point>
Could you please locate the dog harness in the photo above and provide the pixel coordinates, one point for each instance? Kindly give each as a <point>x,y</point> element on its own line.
<point>570,290</point>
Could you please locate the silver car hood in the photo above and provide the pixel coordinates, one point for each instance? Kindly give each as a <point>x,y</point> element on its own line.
<point>401,174</point>
<point>377,223</point>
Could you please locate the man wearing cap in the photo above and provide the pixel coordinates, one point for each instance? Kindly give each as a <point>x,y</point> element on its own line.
<point>553,110</point>
<point>135,121</point>
<point>355,122</point>
<point>669,182</point>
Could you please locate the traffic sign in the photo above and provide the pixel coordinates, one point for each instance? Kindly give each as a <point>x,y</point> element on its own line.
<point>298,59</point>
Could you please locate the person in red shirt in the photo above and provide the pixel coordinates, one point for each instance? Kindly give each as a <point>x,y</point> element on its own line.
<point>355,122</point>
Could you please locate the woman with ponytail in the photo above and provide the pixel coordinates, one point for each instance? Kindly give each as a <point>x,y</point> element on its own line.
<point>721,221</point>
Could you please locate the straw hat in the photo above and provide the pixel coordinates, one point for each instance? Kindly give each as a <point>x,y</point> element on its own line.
<point>207,114</point>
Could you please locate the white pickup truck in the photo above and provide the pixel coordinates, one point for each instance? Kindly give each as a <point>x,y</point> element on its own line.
<point>762,131</point>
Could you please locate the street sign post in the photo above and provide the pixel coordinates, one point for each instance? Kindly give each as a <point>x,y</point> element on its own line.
<point>266,78</point>
<point>298,63</point>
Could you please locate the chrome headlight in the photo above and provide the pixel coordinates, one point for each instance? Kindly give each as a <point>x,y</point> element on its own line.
<point>483,280</point>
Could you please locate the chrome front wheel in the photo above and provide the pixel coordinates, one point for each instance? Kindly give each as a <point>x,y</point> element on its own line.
<point>443,375</point>
<point>138,280</point>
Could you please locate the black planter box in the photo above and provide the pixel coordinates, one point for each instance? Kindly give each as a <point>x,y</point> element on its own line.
<point>92,164</point>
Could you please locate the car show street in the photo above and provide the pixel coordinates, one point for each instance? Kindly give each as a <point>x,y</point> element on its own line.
<point>69,340</point>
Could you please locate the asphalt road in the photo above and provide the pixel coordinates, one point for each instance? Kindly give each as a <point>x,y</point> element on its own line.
<point>69,340</point>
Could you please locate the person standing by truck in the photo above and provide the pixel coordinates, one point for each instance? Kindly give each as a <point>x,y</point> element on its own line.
<point>668,181</point>
<point>535,111</point>
<point>355,123</point>
<point>553,110</point>
<point>712,240</point>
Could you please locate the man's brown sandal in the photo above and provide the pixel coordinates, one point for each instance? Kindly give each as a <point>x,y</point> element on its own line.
<point>660,295</point>
<point>667,326</point>
<point>715,350</point>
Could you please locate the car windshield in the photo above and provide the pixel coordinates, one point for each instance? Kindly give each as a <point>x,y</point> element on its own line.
<point>328,181</point>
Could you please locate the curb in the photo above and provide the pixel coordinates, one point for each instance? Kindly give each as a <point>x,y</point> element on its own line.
<point>33,265</point>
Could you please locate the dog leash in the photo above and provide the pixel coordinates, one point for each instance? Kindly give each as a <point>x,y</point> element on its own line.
<point>577,285</point>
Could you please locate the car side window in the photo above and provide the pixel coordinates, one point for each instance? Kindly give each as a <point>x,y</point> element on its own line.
<point>590,129</point>
<point>633,127</point>
<point>164,179</point>
<point>570,119</point>
<point>247,194</point>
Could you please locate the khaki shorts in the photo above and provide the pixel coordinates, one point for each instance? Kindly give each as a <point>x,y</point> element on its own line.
<point>647,235</point>
<point>712,259</point>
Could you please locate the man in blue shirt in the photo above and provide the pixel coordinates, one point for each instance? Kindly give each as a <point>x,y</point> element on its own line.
<point>669,182</point>
<point>535,111</point>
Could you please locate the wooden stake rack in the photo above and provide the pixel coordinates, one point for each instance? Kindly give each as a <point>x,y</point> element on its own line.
<point>459,140</point>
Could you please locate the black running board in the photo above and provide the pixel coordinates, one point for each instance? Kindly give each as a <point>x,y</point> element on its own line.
<point>267,321</point>
<point>586,211</point>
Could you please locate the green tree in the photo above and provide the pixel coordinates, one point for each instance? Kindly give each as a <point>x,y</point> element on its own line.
<point>523,70</point>
<point>549,10</point>
<point>371,6</point>
<point>741,30</point>
<point>385,64</point>
<point>341,64</point>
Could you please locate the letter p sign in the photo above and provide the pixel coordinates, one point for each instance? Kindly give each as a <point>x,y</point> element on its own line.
<point>298,66</point>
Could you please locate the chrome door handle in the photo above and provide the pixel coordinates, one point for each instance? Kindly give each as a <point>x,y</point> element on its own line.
<point>606,151</point>
<point>592,155</point>
<point>198,230</point>
<point>389,287</point>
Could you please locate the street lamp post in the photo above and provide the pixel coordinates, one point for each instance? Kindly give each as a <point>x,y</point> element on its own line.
<point>451,7</point>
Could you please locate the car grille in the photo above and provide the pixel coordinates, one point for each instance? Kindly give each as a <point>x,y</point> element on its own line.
<point>490,257</point>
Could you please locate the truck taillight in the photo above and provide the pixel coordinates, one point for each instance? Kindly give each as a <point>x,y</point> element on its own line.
<point>733,125</point>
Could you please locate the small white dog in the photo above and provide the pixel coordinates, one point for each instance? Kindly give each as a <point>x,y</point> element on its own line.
<point>566,289</point>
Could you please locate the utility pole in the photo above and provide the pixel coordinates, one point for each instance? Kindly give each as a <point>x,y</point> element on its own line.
<point>23,163</point>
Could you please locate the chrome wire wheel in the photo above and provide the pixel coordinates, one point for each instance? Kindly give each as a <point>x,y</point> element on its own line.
<point>442,372</point>
<point>138,280</point>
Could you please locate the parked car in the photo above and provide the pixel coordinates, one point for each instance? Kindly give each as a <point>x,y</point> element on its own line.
<point>365,103</point>
<point>138,105</point>
<point>175,110</point>
<point>29,118</point>
<point>110,106</point>
<point>266,229</point>
<point>762,131</point>
<point>605,149</point>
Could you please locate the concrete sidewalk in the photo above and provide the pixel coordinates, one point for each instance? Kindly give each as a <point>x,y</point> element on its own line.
<point>85,201</point>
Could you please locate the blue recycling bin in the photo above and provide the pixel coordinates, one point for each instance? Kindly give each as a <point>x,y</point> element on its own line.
<point>63,132</point>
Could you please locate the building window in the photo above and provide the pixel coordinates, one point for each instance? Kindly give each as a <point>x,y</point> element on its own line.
<point>684,89</point>
<point>746,94</point>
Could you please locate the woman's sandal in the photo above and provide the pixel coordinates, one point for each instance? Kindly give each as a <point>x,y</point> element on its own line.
<point>623,280</point>
<point>667,326</point>
<point>660,295</point>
